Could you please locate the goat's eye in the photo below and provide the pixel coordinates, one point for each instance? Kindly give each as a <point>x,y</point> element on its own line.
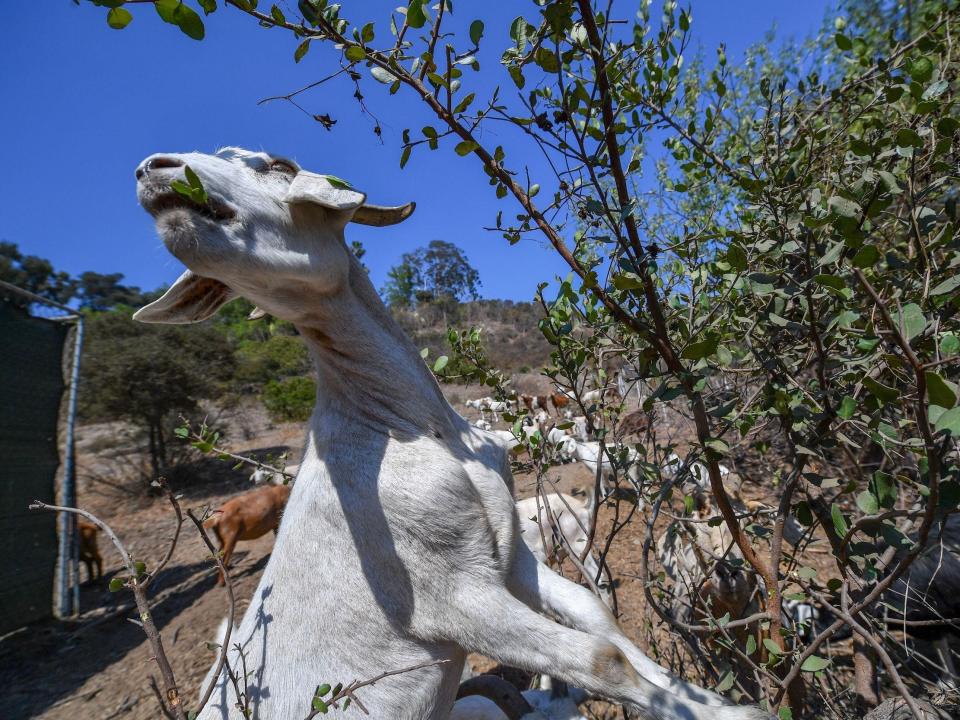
<point>283,166</point>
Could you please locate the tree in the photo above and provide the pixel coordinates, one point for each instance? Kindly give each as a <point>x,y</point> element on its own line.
<point>771,248</point>
<point>446,273</point>
<point>35,274</point>
<point>98,291</point>
<point>439,272</point>
<point>149,374</point>
<point>402,282</point>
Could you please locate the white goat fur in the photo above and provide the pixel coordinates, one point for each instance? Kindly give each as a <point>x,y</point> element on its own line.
<point>572,517</point>
<point>262,476</point>
<point>400,542</point>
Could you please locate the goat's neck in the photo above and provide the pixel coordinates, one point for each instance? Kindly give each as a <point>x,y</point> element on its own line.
<point>368,370</point>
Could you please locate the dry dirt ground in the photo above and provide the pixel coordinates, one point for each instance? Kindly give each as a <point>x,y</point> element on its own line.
<point>97,666</point>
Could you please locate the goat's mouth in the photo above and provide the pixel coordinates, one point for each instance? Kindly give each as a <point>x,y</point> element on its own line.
<point>214,209</point>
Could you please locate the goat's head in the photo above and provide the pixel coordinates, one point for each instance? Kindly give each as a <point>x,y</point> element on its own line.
<point>261,228</point>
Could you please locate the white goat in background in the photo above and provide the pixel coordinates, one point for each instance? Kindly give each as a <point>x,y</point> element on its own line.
<point>400,542</point>
<point>488,697</point>
<point>261,475</point>
<point>564,523</point>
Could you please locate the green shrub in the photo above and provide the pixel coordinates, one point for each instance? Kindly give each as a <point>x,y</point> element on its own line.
<point>290,399</point>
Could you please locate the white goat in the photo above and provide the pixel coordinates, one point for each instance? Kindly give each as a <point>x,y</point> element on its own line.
<point>400,542</point>
<point>261,476</point>
<point>591,396</point>
<point>589,454</point>
<point>563,515</point>
<point>487,697</point>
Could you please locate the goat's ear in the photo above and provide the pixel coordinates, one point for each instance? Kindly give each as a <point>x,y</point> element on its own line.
<point>308,187</point>
<point>190,299</point>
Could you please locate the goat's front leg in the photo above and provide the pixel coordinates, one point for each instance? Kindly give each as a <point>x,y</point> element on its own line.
<point>546,591</point>
<point>495,623</point>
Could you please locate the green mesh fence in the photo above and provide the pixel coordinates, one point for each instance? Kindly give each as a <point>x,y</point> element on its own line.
<point>31,386</point>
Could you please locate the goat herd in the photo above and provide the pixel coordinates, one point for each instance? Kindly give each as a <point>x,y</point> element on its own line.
<point>401,547</point>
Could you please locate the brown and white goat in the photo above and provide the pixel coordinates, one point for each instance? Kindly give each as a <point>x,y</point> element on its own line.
<point>247,517</point>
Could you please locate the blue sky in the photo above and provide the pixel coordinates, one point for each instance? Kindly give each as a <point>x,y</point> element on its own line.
<point>83,104</point>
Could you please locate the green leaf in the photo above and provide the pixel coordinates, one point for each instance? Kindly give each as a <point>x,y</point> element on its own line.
<point>771,647</point>
<point>718,446</point>
<point>868,503</point>
<point>547,60</point>
<point>192,178</point>
<point>950,344</point>
<point>476,31</point>
<point>701,349</point>
<point>939,391</point>
<point>321,690</point>
<point>839,522</point>
<point>843,42</point>
<point>301,51</point>
<point>338,182</point>
<point>181,15</point>
<point>909,138</point>
<point>320,706</point>
<point>464,104</point>
<point>405,155</point>
<point>815,663</point>
<point>947,126</point>
<point>726,682</point>
<point>831,281</point>
<point>516,74</point>
<point>751,647</point>
<point>116,584</point>
<point>210,6</point>
<point>355,53</point>
<point>912,321</point>
<point>441,363</point>
<point>366,33</point>
<point>880,391</point>
<point>277,14</point>
<point>627,281</point>
<point>866,256</point>
<point>416,18</point>
<point>465,147</point>
<point>843,206</point>
<point>785,713</point>
<point>737,257</point>
<point>118,18</point>
<point>949,421</point>
<point>382,75</point>
<point>946,286</point>
<point>848,406</point>
<point>166,9</point>
<point>921,69</point>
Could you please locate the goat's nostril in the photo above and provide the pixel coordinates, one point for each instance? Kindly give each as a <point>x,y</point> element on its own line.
<point>154,163</point>
<point>163,162</point>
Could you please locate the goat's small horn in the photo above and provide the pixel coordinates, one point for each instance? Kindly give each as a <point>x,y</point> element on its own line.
<point>499,691</point>
<point>379,215</point>
<point>256,314</point>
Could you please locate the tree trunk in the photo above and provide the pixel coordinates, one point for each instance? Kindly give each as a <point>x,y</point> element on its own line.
<point>154,460</point>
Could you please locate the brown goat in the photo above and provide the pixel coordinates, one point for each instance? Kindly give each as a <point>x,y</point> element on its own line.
<point>89,552</point>
<point>636,423</point>
<point>247,517</point>
<point>559,401</point>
